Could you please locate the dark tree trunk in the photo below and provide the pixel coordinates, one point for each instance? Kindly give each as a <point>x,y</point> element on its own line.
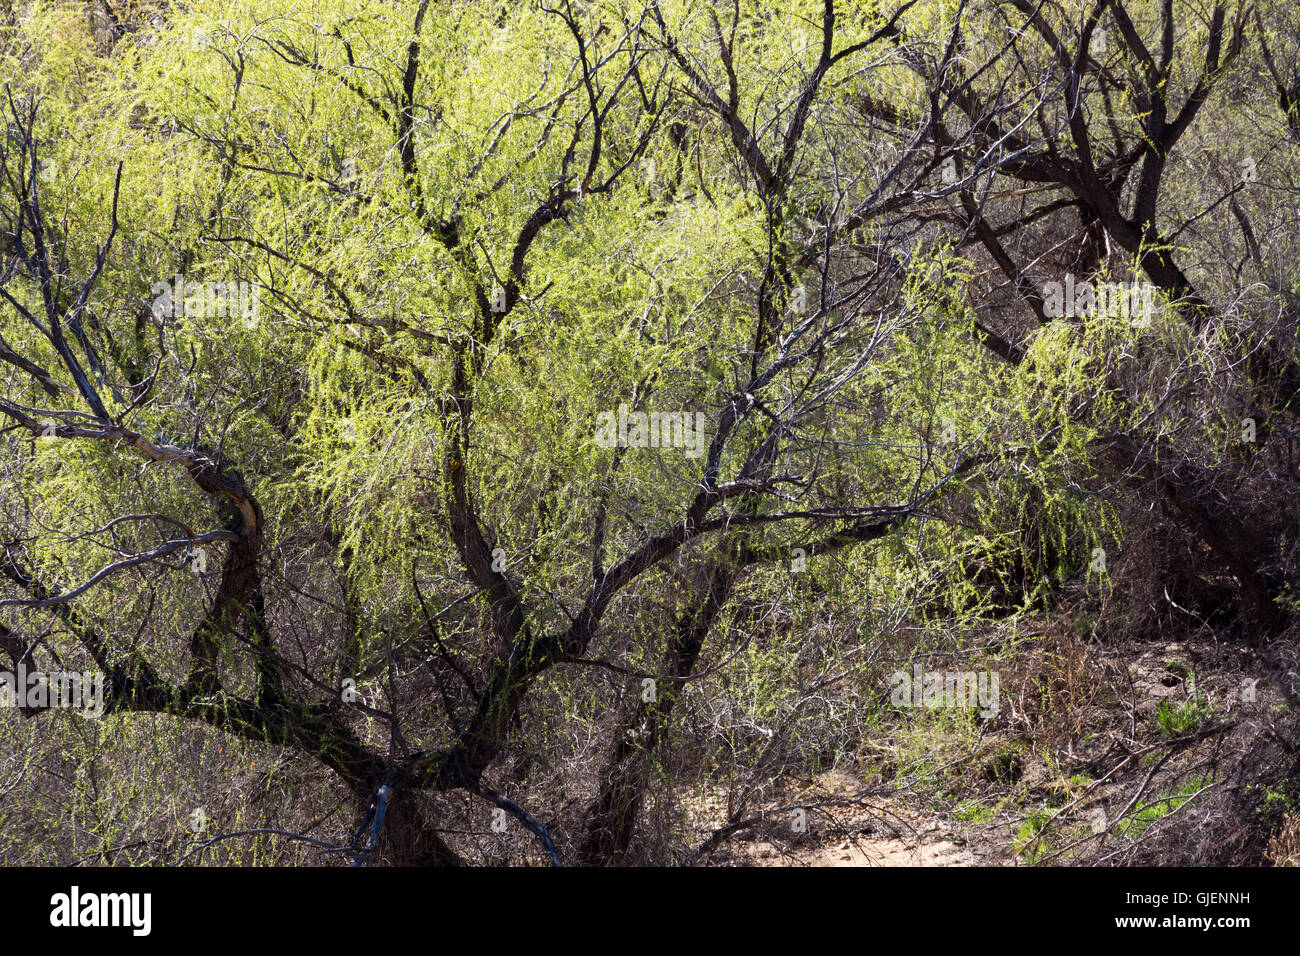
<point>613,815</point>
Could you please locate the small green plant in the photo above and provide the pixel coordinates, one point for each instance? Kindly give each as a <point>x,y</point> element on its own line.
<point>1187,716</point>
<point>972,811</point>
<point>1007,764</point>
<point>1029,839</point>
<point>1137,822</point>
<point>1274,806</point>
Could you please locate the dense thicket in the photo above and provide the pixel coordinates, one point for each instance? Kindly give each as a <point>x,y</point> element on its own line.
<point>318,322</point>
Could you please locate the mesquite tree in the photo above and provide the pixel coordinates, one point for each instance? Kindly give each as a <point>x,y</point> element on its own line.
<point>460,398</point>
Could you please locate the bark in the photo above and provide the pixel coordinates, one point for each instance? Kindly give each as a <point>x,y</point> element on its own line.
<point>613,815</point>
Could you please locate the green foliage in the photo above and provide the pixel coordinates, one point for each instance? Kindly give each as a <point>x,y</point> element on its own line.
<point>1179,718</point>
<point>1136,823</point>
<point>1031,837</point>
<point>275,143</point>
